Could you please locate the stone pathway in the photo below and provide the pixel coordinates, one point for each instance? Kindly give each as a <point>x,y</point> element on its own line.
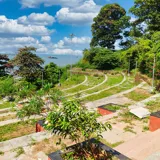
<point>142,146</point>
<point>9,146</point>
<point>86,79</point>
<point>105,80</point>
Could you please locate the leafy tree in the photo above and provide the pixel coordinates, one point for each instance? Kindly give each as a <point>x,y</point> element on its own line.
<point>109,26</point>
<point>4,64</point>
<point>34,107</point>
<point>101,58</point>
<point>148,12</point>
<point>28,63</point>
<point>76,123</point>
<point>51,73</point>
<point>7,87</point>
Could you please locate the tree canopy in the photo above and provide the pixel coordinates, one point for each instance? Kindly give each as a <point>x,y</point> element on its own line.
<point>109,26</point>
<point>148,12</point>
<point>28,63</point>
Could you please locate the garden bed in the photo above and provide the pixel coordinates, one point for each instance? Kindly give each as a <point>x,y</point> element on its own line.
<point>109,108</point>
<point>105,152</point>
<point>138,94</point>
<point>15,130</point>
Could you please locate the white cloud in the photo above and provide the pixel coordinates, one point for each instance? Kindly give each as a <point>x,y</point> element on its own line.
<point>80,15</point>
<point>76,41</point>
<point>45,39</point>
<point>67,51</point>
<point>41,19</point>
<point>36,3</point>
<point>10,27</point>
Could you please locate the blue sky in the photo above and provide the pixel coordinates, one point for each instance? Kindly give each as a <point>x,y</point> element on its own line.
<point>47,24</point>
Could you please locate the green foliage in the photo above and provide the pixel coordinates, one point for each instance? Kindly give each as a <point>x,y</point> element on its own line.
<point>74,121</point>
<point>51,73</point>
<point>7,105</point>
<point>19,151</point>
<point>7,86</point>
<point>28,63</point>
<point>102,58</point>
<point>112,107</point>
<point>32,108</point>
<point>147,11</point>
<point>109,26</point>
<point>3,64</point>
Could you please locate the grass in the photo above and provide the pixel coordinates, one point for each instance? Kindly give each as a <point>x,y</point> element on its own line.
<point>125,86</point>
<point>1,153</point>
<point>19,151</point>
<point>71,81</point>
<point>129,129</point>
<point>92,81</point>
<point>153,106</point>
<point>138,94</point>
<point>145,128</point>
<point>112,145</point>
<point>112,107</point>
<point>4,118</point>
<point>127,117</point>
<point>112,80</point>
<point>15,130</point>
<point>7,105</point>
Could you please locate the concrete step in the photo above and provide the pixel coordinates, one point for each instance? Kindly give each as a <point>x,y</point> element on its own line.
<point>141,146</point>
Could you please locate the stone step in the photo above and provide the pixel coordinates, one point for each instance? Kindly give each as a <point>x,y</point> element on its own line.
<point>141,146</point>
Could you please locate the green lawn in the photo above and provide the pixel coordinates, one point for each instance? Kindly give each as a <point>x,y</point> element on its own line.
<point>92,81</point>
<point>112,80</point>
<point>138,95</point>
<point>125,86</point>
<point>15,130</point>
<point>72,81</point>
<point>7,105</point>
<point>154,106</point>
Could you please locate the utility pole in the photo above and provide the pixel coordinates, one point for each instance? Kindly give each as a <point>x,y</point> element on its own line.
<point>71,37</point>
<point>42,78</point>
<point>153,74</point>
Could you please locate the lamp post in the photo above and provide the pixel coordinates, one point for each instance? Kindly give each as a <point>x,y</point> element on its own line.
<point>71,37</point>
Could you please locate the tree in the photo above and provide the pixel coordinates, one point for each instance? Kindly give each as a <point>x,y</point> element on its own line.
<point>102,58</point>
<point>109,26</point>
<point>3,64</point>
<point>28,63</point>
<point>148,12</point>
<point>51,73</point>
<point>75,122</point>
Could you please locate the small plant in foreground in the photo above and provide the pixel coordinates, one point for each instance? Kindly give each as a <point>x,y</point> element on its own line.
<point>78,124</point>
<point>129,129</point>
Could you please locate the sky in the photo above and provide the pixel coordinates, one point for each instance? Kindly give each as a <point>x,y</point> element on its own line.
<point>48,24</point>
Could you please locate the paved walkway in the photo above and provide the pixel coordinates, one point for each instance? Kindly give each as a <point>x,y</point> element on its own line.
<point>86,79</point>
<point>142,146</point>
<point>116,98</point>
<point>105,80</point>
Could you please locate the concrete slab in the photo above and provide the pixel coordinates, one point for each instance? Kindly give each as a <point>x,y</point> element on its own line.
<point>140,112</point>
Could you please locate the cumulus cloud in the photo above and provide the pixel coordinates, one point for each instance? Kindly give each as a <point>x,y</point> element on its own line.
<point>36,3</point>
<point>45,39</point>
<point>76,41</point>
<point>67,51</point>
<point>41,19</point>
<point>80,15</point>
<point>10,27</point>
